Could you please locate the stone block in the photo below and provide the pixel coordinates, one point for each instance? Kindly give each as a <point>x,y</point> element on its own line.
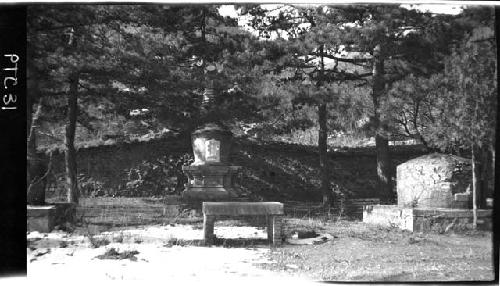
<point>389,215</point>
<point>439,178</point>
<point>45,218</point>
<point>208,229</point>
<point>41,218</point>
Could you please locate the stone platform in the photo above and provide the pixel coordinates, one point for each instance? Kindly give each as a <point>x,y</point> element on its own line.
<point>211,182</point>
<point>425,219</point>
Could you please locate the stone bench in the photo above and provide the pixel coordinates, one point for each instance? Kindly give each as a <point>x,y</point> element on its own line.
<point>273,212</point>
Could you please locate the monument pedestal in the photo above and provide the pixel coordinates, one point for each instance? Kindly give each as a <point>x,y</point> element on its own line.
<point>211,182</point>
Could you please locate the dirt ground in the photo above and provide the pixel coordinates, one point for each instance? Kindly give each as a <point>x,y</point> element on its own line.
<point>155,252</point>
<point>361,252</point>
<point>355,252</point>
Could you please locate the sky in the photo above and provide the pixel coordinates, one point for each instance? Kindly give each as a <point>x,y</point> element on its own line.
<point>437,8</point>
<point>228,10</point>
<point>452,9</point>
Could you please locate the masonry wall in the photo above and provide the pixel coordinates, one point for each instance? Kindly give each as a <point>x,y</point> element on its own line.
<point>106,169</point>
<point>425,220</point>
<point>271,171</point>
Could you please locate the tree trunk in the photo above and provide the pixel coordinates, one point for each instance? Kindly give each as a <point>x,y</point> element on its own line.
<point>493,160</point>
<point>323,138</point>
<point>492,152</point>
<point>383,166</point>
<point>36,170</point>
<point>476,183</point>
<point>381,137</point>
<point>323,154</point>
<point>70,155</point>
<point>485,177</point>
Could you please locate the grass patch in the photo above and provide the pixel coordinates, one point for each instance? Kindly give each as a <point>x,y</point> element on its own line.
<point>182,242</point>
<point>97,242</point>
<point>362,252</point>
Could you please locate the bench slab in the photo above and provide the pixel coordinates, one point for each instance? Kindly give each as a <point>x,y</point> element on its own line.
<point>216,210</point>
<point>242,208</point>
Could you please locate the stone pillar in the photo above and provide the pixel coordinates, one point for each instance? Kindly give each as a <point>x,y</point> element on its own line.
<point>269,220</point>
<point>277,229</point>
<point>208,229</point>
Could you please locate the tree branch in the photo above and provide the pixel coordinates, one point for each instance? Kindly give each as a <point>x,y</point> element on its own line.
<point>345,60</point>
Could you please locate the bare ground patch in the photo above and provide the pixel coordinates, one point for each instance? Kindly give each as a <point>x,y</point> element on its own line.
<point>361,252</point>
<point>355,252</point>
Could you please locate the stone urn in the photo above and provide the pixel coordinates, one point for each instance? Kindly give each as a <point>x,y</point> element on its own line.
<point>211,177</point>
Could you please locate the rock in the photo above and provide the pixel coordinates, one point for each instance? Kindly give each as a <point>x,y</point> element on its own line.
<point>322,238</point>
<point>41,252</point>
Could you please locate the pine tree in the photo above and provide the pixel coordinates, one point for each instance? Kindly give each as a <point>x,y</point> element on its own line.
<point>401,42</point>
<point>302,38</point>
<point>124,57</point>
<point>455,109</point>
<point>469,104</point>
<point>73,56</point>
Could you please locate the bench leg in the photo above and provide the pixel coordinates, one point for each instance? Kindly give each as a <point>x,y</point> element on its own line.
<point>277,229</point>
<point>208,229</point>
<point>269,220</point>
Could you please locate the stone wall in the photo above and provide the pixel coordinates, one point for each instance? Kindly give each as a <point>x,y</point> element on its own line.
<point>436,181</point>
<point>279,171</point>
<point>111,167</point>
<point>443,220</point>
<point>426,220</point>
<point>271,171</point>
<point>389,216</point>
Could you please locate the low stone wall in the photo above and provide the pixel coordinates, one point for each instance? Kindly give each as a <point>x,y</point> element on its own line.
<point>426,220</point>
<point>353,208</point>
<point>441,220</point>
<point>389,215</point>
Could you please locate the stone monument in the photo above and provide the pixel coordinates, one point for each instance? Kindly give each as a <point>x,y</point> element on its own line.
<point>211,177</point>
<point>435,181</point>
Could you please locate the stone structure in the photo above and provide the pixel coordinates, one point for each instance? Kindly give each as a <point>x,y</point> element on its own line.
<point>425,219</point>
<point>272,211</point>
<point>211,176</point>
<point>433,195</point>
<point>435,181</point>
<point>41,218</point>
<point>45,218</point>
